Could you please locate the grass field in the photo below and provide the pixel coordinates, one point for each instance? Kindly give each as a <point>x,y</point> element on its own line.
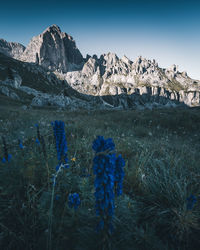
<point>161,149</point>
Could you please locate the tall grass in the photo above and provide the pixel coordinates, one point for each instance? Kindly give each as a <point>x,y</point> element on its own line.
<point>161,172</point>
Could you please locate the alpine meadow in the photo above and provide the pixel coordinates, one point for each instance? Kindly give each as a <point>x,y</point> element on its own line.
<point>99,150</point>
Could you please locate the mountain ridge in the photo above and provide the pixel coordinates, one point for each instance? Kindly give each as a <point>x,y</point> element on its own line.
<point>107,75</point>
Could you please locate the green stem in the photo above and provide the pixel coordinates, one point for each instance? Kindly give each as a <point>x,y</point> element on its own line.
<point>49,246</point>
<point>50,219</point>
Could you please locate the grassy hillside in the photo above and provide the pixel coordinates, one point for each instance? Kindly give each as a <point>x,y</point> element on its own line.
<point>161,151</point>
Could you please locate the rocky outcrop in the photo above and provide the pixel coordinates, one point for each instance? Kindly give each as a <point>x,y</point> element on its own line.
<point>58,75</point>
<point>109,75</point>
<point>9,93</point>
<point>54,50</point>
<point>11,49</point>
<point>13,79</point>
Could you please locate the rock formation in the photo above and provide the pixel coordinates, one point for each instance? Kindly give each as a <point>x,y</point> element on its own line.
<point>11,49</point>
<point>105,81</point>
<point>53,49</point>
<point>110,75</point>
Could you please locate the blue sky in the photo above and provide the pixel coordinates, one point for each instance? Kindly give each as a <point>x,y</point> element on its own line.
<point>168,31</point>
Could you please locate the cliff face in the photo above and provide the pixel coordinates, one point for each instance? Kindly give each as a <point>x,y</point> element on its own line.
<point>11,49</point>
<point>53,49</point>
<point>107,80</point>
<point>110,75</point>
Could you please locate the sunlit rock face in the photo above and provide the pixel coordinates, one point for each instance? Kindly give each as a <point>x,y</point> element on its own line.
<point>109,75</point>
<point>53,49</point>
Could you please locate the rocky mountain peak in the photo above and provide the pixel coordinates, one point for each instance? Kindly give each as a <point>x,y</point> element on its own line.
<point>111,58</point>
<point>90,67</point>
<point>53,49</point>
<point>173,68</point>
<point>108,75</point>
<point>126,60</point>
<point>53,28</point>
<point>11,49</point>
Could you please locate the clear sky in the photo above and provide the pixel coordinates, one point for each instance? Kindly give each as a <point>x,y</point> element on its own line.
<point>168,31</point>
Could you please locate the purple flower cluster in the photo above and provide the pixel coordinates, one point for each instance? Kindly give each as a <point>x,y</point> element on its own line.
<point>102,145</point>
<point>108,171</point>
<point>74,201</point>
<point>4,160</point>
<point>61,143</point>
<point>37,141</point>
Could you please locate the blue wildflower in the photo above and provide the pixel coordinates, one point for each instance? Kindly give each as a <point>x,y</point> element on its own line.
<point>103,167</point>
<point>37,141</point>
<point>74,201</point>
<point>9,157</point>
<point>4,160</point>
<point>191,200</point>
<point>20,144</point>
<point>57,167</point>
<point>61,143</point>
<point>101,145</point>
<point>119,174</point>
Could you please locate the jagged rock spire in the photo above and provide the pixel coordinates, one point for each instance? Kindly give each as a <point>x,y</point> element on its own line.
<point>53,49</point>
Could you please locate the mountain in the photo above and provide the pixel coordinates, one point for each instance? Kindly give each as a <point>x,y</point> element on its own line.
<point>54,50</point>
<point>11,49</point>
<point>52,64</point>
<point>109,75</point>
<point>29,84</point>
